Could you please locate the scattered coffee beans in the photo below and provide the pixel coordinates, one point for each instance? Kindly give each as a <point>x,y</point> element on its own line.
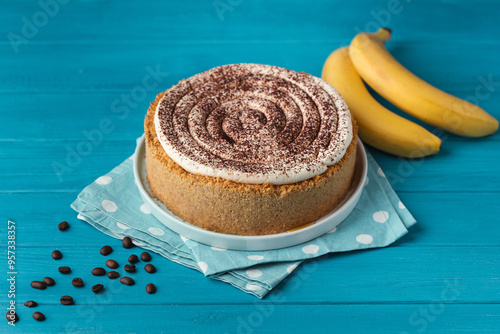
<point>78,282</point>
<point>49,281</point>
<point>66,300</point>
<point>98,271</point>
<point>150,288</point>
<point>64,270</point>
<point>106,250</point>
<point>145,256</point>
<point>150,268</point>
<point>12,316</point>
<point>56,255</point>
<point>97,288</point>
<point>114,274</point>
<point>63,226</point>
<point>127,243</point>
<point>112,264</point>
<point>31,303</point>
<point>38,285</point>
<point>130,268</point>
<point>38,316</point>
<point>127,280</point>
<point>133,259</point>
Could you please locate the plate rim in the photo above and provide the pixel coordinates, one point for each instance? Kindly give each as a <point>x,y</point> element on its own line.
<point>250,242</point>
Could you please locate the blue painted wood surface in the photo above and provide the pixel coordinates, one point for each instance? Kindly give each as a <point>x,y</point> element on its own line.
<point>70,72</point>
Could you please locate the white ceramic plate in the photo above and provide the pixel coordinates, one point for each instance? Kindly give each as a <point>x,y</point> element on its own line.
<point>250,243</point>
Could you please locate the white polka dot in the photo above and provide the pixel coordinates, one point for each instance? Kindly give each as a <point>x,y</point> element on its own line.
<point>255,257</point>
<point>122,226</point>
<point>380,172</point>
<point>138,243</point>
<point>254,273</point>
<point>109,206</point>
<point>367,181</point>
<point>103,180</point>
<point>310,249</point>
<point>253,287</point>
<point>117,234</point>
<point>184,239</point>
<point>381,216</point>
<point>145,209</point>
<point>156,231</point>
<point>203,266</point>
<point>364,239</point>
<point>333,230</point>
<point>291,268</point>
<point>401,205</point>
<point>218,249</point>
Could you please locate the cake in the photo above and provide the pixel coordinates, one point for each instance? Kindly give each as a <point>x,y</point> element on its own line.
<point>250,149</point>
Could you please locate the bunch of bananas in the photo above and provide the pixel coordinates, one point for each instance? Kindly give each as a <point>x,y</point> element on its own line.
<point>367,58</point>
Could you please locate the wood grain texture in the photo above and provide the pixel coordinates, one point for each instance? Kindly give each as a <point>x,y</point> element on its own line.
<point>69,82</point>
<point>433,317</point>
<point>455,168</point>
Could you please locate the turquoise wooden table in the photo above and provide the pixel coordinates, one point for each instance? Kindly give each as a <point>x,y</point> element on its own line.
<point>68,67</point>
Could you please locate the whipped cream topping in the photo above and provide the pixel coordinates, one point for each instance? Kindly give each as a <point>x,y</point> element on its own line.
<point>254,123</point>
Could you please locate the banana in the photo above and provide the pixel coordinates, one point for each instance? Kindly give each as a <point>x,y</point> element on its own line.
<point>378,126</point>
<point>413,95</point>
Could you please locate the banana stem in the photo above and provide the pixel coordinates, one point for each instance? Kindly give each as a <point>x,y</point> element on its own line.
<point>384,34</point>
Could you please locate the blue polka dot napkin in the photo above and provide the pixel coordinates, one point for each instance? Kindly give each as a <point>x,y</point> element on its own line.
<point>112,205</point>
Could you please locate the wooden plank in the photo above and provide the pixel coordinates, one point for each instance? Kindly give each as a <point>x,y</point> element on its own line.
<point>94,66</point>
<point>397,275</point>
<point>458,167</point>
<point>444,219</point>
<point>44,116</point>
<point>461,165</point>
<point>258,318</point>
<point>417,269</point>
<point>256,20</point>
<point>66,117</point>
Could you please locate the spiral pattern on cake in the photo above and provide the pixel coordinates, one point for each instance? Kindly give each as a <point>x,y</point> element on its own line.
<point>254,123</point>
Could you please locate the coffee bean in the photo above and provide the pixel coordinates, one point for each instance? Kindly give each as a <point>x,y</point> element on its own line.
<point>150,268</point>
<point>38,316</point>
<point>97,288</point>
<point>56,255</point>
<point>150,288</point>
<point>49,281</point>
<point>78,282</point>
<point>130,268</point>
<point>64,270</point>
<point>38,285</point>
<point>63,226</point>
<point>127,280</point>
<point>114,274</point>
<point>133,258</point>
<point>127,243</point>
<point>112,264</point>
<point>106,250</point>
<point>145,256</point>
<point>66,300</point>
<point>12,316</point>
<point>98,271</point>
<point>31,303</point>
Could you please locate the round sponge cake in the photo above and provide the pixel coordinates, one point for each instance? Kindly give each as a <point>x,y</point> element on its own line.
<point>230,207</point>
<point>250,149</point>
